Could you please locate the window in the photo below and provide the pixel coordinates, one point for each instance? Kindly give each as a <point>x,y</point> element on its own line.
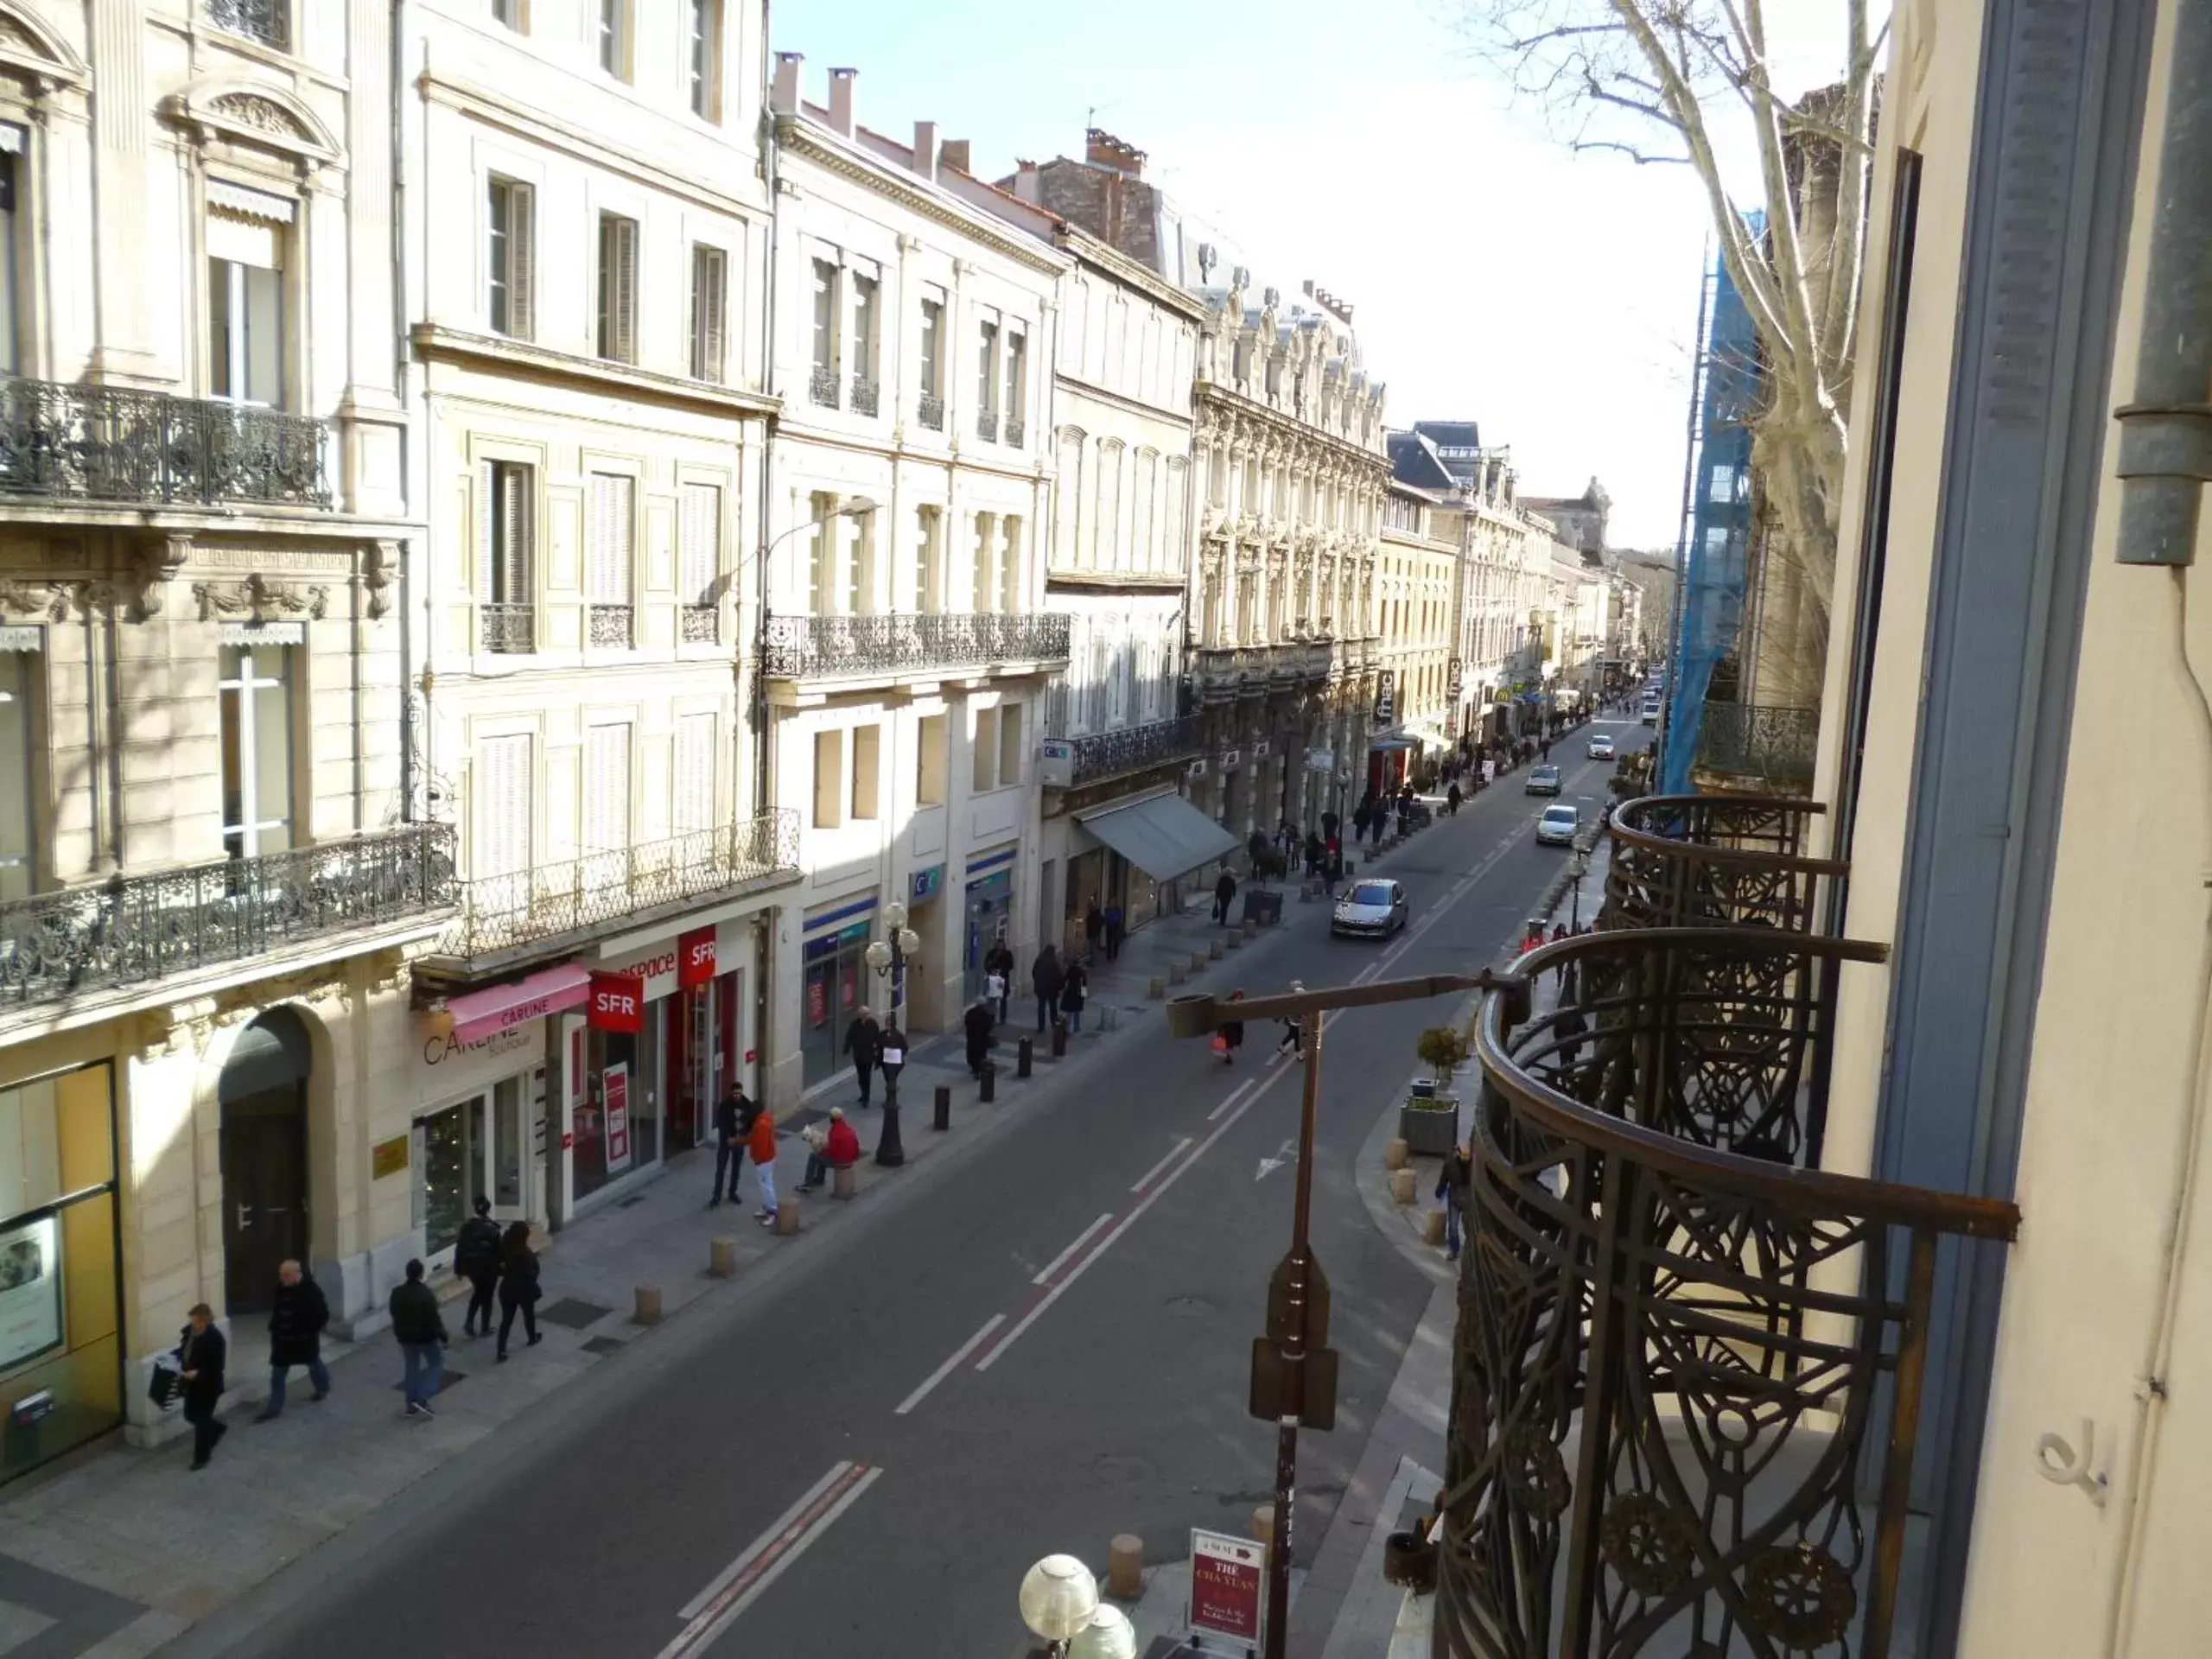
<point>867,759</point>
<point>606,801</point>
<point>823,387</point>
<point>864,293</point>
<point>508,12</point>
<point>821,556</point>
<point>1009,745</point>
<point>610,559</point>
<point>933,363</point>
<point>929,553</point>
<point>246,311</point>
<point>614,38</point>
<point>18,821</point>
<point>698,558</point>
<point>860,566</point>
<point>618,287</point>
<point>984,752</point>
<point>930,770</point>
<point>500,810</point>
<point>692,811</point>
<point>507,258</point>
<point>1144,521</point>
<point>1068,547</point>
<point>709,301</point>
<point>1010,569</point>
<point>10,307</point>
<point>1017,370</point>
<point>986,369</point>
<point>702,47</point>
<point>506,589</point>
<point>256,724</point>
<point>982,586</point>
<point>829,779</point>
<point>1107,522</point>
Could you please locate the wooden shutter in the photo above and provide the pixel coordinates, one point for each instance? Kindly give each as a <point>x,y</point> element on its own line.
<point>488,563</point>
<point>1010,569</point>
<point>708,303</point>
<point>500,807</point>
<point>607,788</point>
<point>699,531</point>
<point>522,262</point>
<point>610,557</point>
<point>625,298</point>
<point>512,581</point>
<point>693,807</point>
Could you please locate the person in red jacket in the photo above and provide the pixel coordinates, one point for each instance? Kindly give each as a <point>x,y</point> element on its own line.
<point>761,1144</point>
<point>838,1147</point>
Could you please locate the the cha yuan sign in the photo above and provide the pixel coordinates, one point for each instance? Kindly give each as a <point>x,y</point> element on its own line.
<point>1225,1585</point>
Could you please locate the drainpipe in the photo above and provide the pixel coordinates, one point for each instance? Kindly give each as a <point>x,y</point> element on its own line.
<point>409,762</point>
<point>773,165</point>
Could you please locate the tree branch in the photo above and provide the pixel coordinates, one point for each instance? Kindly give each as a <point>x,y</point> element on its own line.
<point>1629,150</point>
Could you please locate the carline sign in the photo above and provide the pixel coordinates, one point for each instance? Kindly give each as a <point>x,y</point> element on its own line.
<point>695,958</point>
<point>1225,1585</point>
<point>618,1003</point>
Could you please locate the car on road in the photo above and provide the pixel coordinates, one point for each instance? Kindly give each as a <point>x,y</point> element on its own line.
<point>1542,780</point>
<point>1372,909</point>
<point>1601,748</point>
<point>1558,827</point>
<point>1651,711</point>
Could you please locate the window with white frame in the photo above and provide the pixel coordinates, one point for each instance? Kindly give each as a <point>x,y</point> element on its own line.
<point>610,554</point>
<point>702,34</point>
<point>860,564</point>
<point>247,233</point>
<point>692,809</point>
<point>509,251</point>
<point>614,37</point>
<point>823,388</point>
<point>1017,384</point>
<point>987,372</point>
<point>929,557</point>
<point>821,556</point>
<point>865,290</point>
<point>984,752</point>
<point>983,584</point>
<point>510,12</point>
<point>506,593</point>
<point>19,666</point>
<point>618,287</point>
<point>1010,755</point>
<point>709,309</point>
<point>11,224</point>
<point>607,805</point>
<point>698,560</point>
<point>1143,552</point>
<point>932,360</point>
<point>1010,572</point>
<point>1067,531</point>
<point>500,808</point>
<point>1106,522</point>
<point>829,779</point>
<point>255,691</point>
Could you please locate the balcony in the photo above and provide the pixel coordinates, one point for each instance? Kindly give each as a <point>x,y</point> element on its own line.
<point>987,424</point>
<point>1688,1374</point>
<point>930,411</point>
<point>508,630</point>
<point>864,396</point>
<point>1759,746</point>
<point>330,899</point>
<point>701,624</point>
<point>872,647</point>
<point>822,386</point>
<point>611,627</point>
<point>1715,861</point>
<point>508,920</point>
<point>268,22</point>
<point>1109,754</point>
<point>68,442</point>
<point>1224,673</point>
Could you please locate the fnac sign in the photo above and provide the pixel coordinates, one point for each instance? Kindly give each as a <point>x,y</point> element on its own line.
<point>618,1003</point>
<point>695,958</point>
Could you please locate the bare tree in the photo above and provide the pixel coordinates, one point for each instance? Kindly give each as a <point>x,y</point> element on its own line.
<point>1664,82</point>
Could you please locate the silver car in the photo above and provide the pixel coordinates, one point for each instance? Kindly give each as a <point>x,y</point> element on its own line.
<point>1558,826</point>
<point>1372,909</point>
<point>1601,748</point>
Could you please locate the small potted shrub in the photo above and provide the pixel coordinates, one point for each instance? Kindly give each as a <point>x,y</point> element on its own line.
<point>1429,1122</point>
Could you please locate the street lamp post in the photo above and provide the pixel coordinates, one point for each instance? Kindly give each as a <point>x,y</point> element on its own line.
<point>1581,868</point>
<point>1294,1369</point>
<point>889,956</point>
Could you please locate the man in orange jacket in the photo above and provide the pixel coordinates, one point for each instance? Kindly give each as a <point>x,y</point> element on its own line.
<point>761,1143</point>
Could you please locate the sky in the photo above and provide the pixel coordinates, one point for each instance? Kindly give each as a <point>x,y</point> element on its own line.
<point>1497,275</point>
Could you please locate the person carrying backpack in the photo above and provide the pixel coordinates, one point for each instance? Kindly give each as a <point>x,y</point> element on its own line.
<point>476,1258</point>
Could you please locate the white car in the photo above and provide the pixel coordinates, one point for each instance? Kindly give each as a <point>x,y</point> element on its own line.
<point>1601,748</point>
<point>1373,909</point>
<point>1559,825</point>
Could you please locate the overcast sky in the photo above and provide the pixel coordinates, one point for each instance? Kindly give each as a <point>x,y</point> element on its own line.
<point>1497,275</point>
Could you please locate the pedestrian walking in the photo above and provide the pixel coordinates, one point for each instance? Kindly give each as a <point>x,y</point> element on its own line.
<point>421,1331</point>
<point>1452,1182</point>
<point>1316,850</point>
<point>1545,748</point>
<point>834,1145</point>
<point>296,1315</point>
<point>1332,868</point>
<point>1044,978</point>
<point>979,1026</point>
<point>1452,800</point>
<point>891,1059</point>
<point>863,1042</point>
<point>1292,1040</point>
<point>1073,990</point>
<point>762,1146</point>
<point>999,960</point>
<point>476,1258</point>
<point>518,1286</point>
<point>1229,1036</point>
<point>730,1124</point>
<point>1117,930</point>
<point>1094,926</point>
<point>200,1351</point>
<point>1225,889</point>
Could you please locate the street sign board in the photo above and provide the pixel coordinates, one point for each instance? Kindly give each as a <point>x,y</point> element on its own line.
<point>1226,1575</point>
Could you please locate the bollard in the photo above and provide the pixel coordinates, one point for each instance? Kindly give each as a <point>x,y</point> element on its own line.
<point>844,1181</point>
<point>1432,1227</point>
<point>990,1080</point>
<point>1215,948</point>
<point>1263,1528</point>
<point>1155,990</point>
<point>1059,1038</point>
<point>648,1308</point>
<point>1236,939</point>
<point>1395,1155</point>
<point>721,1258</point>
<point>1025,1054</point>
<point>787,1216</point>
<point>1125,1566</point>
<point>1109,1017</point>
<point>1198,960</point>
<point>943,1120</point>
<point>1401,1185</point>
<point>1177,972</point>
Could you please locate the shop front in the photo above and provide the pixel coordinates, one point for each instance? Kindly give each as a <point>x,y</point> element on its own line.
<point>989,915</point>
<point>834,976</point>
<point>478,1129</point>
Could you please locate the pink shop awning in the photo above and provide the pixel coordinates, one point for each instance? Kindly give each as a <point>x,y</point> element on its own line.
<point>487,1012</point>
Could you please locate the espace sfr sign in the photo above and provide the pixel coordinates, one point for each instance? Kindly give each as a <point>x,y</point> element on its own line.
<point>617,1003</point>
<point>688,963</point>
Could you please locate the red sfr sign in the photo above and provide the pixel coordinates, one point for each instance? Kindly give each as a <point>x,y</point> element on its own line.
<point>695,958</point>
<point>618,1003</point>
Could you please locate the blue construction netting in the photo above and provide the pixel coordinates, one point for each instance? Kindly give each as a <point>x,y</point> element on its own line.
<point>1716,531</point>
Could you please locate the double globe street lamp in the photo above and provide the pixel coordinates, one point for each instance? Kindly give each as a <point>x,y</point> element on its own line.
<point>1060,1606</point>
<point>889,956</point>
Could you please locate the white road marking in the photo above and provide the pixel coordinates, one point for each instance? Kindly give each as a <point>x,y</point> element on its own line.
<point>953,1364</point>
<point>762,1562</point>
<point>1229,1099</point>
<point>1285,1153</point>
<point>1145,1180</point>
<point>1080,1240</point>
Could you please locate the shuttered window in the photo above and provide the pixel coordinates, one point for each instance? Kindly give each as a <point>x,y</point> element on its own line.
<point>510,258</point>
<point>618,287</point>
<point>929,534</point>
<point>613,535</point>
<point>1010,569</point>
<point>709,301</point>
<point>986,540</point>
<point>607,788</point>
<point>500,809</point>
<point>503,538</point>
<point>699,537</point>
<point>693,807</point>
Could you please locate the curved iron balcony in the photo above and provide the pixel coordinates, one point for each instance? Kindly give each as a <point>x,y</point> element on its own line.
<point>827,648</point>
<point>1689,1368</point>
<point>1771,742</point>
<point>64,441</point>
<point>1707,860</point>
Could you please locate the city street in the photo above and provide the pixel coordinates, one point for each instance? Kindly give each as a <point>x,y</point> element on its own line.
<point>1047,1346</point>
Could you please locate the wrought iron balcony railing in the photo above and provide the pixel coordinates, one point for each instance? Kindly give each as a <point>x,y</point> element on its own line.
<point>1761,742</point>
<point>822,386</point>
<point>508,629</point>
<point>269,21</point>
<point>701,624</point>
<point>932,411</point>
<point>864,397</point>
<point>1108,755</point>
<point>612,627</point>
<point>1687,1373</point>
<point>1715,861</point>
<point>112,443</point>
<point>818,647</point>
<point>987,424</point>
<point>552,906</point>
<point>1016,430</point>
<point>137,928</point>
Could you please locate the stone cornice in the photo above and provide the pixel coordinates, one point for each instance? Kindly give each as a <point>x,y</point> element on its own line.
<point>1082,388</point>
<point>1235,406</point>
<point>521,357</point>
<point>1118,582</point>
<point>1105,257</point>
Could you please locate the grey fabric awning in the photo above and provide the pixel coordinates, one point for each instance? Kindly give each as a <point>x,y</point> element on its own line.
<point>1164,835</point>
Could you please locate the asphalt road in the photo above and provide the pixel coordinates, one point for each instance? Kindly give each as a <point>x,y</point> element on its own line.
<point>1070,1394</point>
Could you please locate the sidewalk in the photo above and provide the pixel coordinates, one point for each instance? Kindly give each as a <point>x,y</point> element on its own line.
<point>116,1550</point>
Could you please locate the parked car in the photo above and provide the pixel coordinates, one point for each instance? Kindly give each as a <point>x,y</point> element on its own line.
<point>1542,780</point>
<point>1651,711</point>
<point>1371,909</point>
<point>1601,748</point>
<point>1559,825</point>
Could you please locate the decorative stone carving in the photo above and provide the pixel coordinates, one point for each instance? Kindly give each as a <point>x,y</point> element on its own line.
<point>260,599</point>
<point>380,568</point>
<point>258,113</point>
<point>159,564</point>
<point>49,600</point>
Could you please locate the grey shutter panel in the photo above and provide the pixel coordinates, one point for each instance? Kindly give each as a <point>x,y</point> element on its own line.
<point>608,560</point>
<point>607,788</point>
<point>625,290</point>
<point>501,807</point>
<point>712,281</point>
<point>522,262</point>
<point>486,558</point>
<point>700,549</point>
<point>514,573</point>
<point>693,808</point>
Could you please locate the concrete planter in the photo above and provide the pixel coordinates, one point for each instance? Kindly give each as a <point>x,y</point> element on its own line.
<point>1430,1127</point>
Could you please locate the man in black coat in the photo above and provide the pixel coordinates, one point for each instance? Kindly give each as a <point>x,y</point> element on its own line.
<point>1225,889</point>
<point>200,1356</point>
<point>296,1317</point>
<point>863,1044</point>
<point>732,1120</point>
<point>420,1330</point>
<point>1046,978</point>
<point>476,1258</point>
<point>979,1026</point>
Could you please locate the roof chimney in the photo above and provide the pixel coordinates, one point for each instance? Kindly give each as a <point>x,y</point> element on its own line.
<point>1029,183</point>
<point>925,149</point>
<point>953,153</point>
<point>841,100</point>
<point>782,97</point>
<point>1102,149</point>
